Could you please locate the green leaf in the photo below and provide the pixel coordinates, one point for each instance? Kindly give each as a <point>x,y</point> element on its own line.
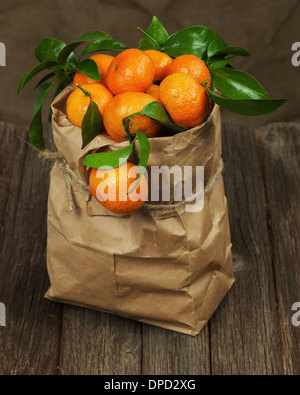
<point>215,46</point>
<point>48,49</point>
<point>218,63</point>
<point>108,44</point>
<point>229,51</point>
<point>36,126</point>
<point>237,84</point>
<point>156,111</point>
<point>89,68</point>
<point>44,79</point>
<point>193,40</point>
<point>67,55</point>
<point>144,153</point>
<point>155,36</point>
<point>32,73</point>
<point>93,35</point>
<point>246,107</point>
<point>92,122</point>
<point>145,147</point>
<point>110,159</point>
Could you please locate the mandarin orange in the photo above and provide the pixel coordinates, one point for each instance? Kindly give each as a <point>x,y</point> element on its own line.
<point>130,71</point>
<point>114,188</point>
<point>186,101</point>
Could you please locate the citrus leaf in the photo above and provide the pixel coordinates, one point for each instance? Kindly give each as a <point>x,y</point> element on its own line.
<point>229,51</point>
<point>237,84</point>
<point>67,52</point>
<point>156,111</point>
<point>157,32</point>
<point>108,44</point>
<point>92,122</point>
<point>246,107</point>
<point>93,35</point>
<point>36,126</point>
<point>32,73</point>
<point>110,159</point>
<point>218,63</point>
<point>144,145</point>
<point>87,67</point>
<point>44,79</point>
<point>193,40</point>
<point>48,49</point>
<point>215,46</point>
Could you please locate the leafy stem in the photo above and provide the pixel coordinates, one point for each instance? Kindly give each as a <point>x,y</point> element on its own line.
<point>84,91</point>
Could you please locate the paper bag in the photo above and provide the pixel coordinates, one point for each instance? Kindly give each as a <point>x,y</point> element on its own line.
<point>169,268</point>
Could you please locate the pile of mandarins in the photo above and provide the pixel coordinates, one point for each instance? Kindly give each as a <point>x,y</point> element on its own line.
<point>128,83</point>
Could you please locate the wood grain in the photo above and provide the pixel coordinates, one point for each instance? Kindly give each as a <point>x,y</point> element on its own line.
<point>30,342</point>
<point>280,153</point>
<point>245,331</point>
<point>170,353</point>
<point>12,158</point>
<point>95,343</point>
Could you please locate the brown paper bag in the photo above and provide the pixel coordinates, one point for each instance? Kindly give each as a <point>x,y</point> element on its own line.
<point>168,268</point>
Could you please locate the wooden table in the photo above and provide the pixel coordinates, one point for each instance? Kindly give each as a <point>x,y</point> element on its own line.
<point>251,332</point>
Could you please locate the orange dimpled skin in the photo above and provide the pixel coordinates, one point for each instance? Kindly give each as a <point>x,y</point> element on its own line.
<point>192,65</point>
<point>114,188</point>
<point>162,63</point>
<point>186,101</point>
<point>153,91</point>
<point>103,62</point>
<point>130,71</point>
<point>77,102</point>
<point>123,105</point>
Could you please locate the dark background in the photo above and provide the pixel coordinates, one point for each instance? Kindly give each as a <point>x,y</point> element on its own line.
<point>266,28</point>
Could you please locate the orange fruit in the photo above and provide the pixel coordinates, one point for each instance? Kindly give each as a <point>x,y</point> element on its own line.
<point>186,101</point>
<point>77,102</point>
<point>192,65</point>
<point>114,188</point>
<point>153,91</point>
<point>123,105</point>
<point>162,63</point>
<point>103,62</point>
<point>130,71</point>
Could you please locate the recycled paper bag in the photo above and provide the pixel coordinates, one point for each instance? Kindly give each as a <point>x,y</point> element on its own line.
<point>162,266</point>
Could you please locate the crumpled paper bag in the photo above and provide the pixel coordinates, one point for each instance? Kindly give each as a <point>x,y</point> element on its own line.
<point>165,268</point>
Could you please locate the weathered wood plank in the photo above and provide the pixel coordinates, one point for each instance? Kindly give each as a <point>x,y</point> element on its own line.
<point>12,158</point>
<point>245,331</point>
<point>95,343</point>
<point>280,149</point>
<point>171,353</point>
<point>30,342</point>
